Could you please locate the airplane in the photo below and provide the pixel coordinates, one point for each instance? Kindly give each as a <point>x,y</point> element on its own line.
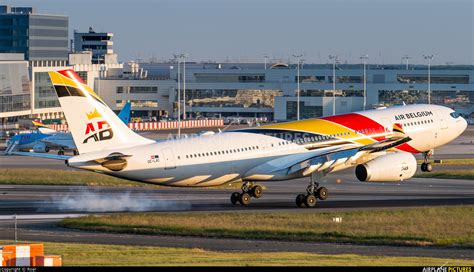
<point>45,138</point>
<point>379,143</point>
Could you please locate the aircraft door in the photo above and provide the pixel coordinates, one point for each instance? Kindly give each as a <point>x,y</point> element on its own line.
<point>442,120</point>
<point>169,159</point>
<point>443,128</point>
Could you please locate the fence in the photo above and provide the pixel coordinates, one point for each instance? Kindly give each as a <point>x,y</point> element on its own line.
<point>147,126</point>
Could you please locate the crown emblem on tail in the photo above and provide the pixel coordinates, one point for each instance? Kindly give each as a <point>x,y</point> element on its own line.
<point>93,114</point>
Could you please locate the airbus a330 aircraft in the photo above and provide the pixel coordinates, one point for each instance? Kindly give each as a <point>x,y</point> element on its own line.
<point>379,143</point>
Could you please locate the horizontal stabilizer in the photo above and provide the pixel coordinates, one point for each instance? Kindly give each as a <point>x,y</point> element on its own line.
<point>42,155</point>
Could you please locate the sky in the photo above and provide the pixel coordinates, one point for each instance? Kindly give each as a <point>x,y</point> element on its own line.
<point>246,30</point>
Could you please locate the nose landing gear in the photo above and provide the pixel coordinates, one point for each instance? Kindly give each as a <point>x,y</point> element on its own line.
<point>249,190</point>
<point>313,192</point>
<point>426,165</point>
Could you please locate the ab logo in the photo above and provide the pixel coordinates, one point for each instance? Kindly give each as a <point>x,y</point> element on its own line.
<point>97,130</point>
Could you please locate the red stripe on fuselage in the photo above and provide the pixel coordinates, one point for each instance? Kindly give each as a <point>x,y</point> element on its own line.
<point>359,123</point>
<point>407,148</point>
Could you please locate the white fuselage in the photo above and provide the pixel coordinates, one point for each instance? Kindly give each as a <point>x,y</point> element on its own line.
<point>225,157</point>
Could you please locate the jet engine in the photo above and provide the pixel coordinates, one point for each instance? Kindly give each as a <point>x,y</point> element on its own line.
<point>391,167</point>
<point>40,148</point>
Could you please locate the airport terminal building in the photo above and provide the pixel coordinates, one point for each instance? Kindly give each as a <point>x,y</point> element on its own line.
<point>239,89</point>
<point>250,90</point>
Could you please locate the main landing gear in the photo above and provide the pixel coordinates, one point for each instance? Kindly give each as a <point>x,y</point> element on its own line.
<point>426,165</point>
<point>249,190</point>
<point>313,192</point>
<point>61,152</point>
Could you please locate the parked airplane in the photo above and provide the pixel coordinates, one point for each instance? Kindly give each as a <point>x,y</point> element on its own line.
<point>45,138</point>
<point>379,143</point>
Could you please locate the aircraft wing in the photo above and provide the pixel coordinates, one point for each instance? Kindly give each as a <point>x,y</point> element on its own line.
<point>323,159</point>
<point>306,162</point>
<point>42,155</point>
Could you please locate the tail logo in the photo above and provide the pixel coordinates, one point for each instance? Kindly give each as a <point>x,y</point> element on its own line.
<point>97,130</point>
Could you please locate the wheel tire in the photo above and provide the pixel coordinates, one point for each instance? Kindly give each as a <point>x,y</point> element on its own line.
<point>322,193</point>
<point>234,198</point>
<point>257,191</point>
<point>310,201</point>
<point>300,200</point>
<point>423,167</point>
<point>46,149</point>
<point>428,167</point>
<point>75,152</point>
<point>244,199</point>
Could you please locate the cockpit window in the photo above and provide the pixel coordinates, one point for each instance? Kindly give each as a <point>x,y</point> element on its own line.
<point>454,114</point>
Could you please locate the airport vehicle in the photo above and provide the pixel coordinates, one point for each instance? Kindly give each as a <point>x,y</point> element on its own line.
<point>379,143</point>
<point>45,139</point>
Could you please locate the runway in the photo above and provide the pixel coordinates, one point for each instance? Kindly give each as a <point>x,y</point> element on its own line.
<point>344,193</point>
<point>39,208</point>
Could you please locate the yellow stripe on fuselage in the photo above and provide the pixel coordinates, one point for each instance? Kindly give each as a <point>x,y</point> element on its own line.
<point>323,127</point>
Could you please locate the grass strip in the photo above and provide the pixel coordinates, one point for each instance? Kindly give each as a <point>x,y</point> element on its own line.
<point>453,162</point>
<point>448,174</point>
<point>118,255</point>
<point>33,176</point>
<point>433,226</point>
<point>26,176</point>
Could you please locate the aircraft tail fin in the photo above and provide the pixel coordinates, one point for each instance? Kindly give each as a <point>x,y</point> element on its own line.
<point>124,114</point>
<point>93,125</point>
<point>42,128</point>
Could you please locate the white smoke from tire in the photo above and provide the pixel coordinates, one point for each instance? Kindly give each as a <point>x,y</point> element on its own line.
<point>88,201</point>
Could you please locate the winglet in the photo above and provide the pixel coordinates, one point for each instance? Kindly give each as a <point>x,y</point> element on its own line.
<point>39,124</point>
<point>398,128</point>
<point>43,128</point>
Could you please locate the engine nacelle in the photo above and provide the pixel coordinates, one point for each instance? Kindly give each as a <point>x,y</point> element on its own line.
<point>40,148</point>
<point>391,167</point>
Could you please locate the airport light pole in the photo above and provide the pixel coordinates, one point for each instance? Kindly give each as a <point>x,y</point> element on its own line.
<point>184,56</point>
<point>266,58</point>
<point>365,58</point>
<point>178,59</point>
<point>298,56</point>
<point>429,58</point>
<point>406,58</point>
<point>334,58</point>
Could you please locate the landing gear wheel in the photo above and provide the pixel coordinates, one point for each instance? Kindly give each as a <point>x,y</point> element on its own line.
<point>426,166</point>
<point>256,191</point>
<point>75,152</point>
<point>61,152</point>
<point>234,198</point>
<point>310,201</point>
<point>300,200</point>
<point>322,193</point>
<point>244,199</point>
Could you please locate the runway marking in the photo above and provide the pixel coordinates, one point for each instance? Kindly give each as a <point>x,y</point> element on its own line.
<point>40,216</point>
